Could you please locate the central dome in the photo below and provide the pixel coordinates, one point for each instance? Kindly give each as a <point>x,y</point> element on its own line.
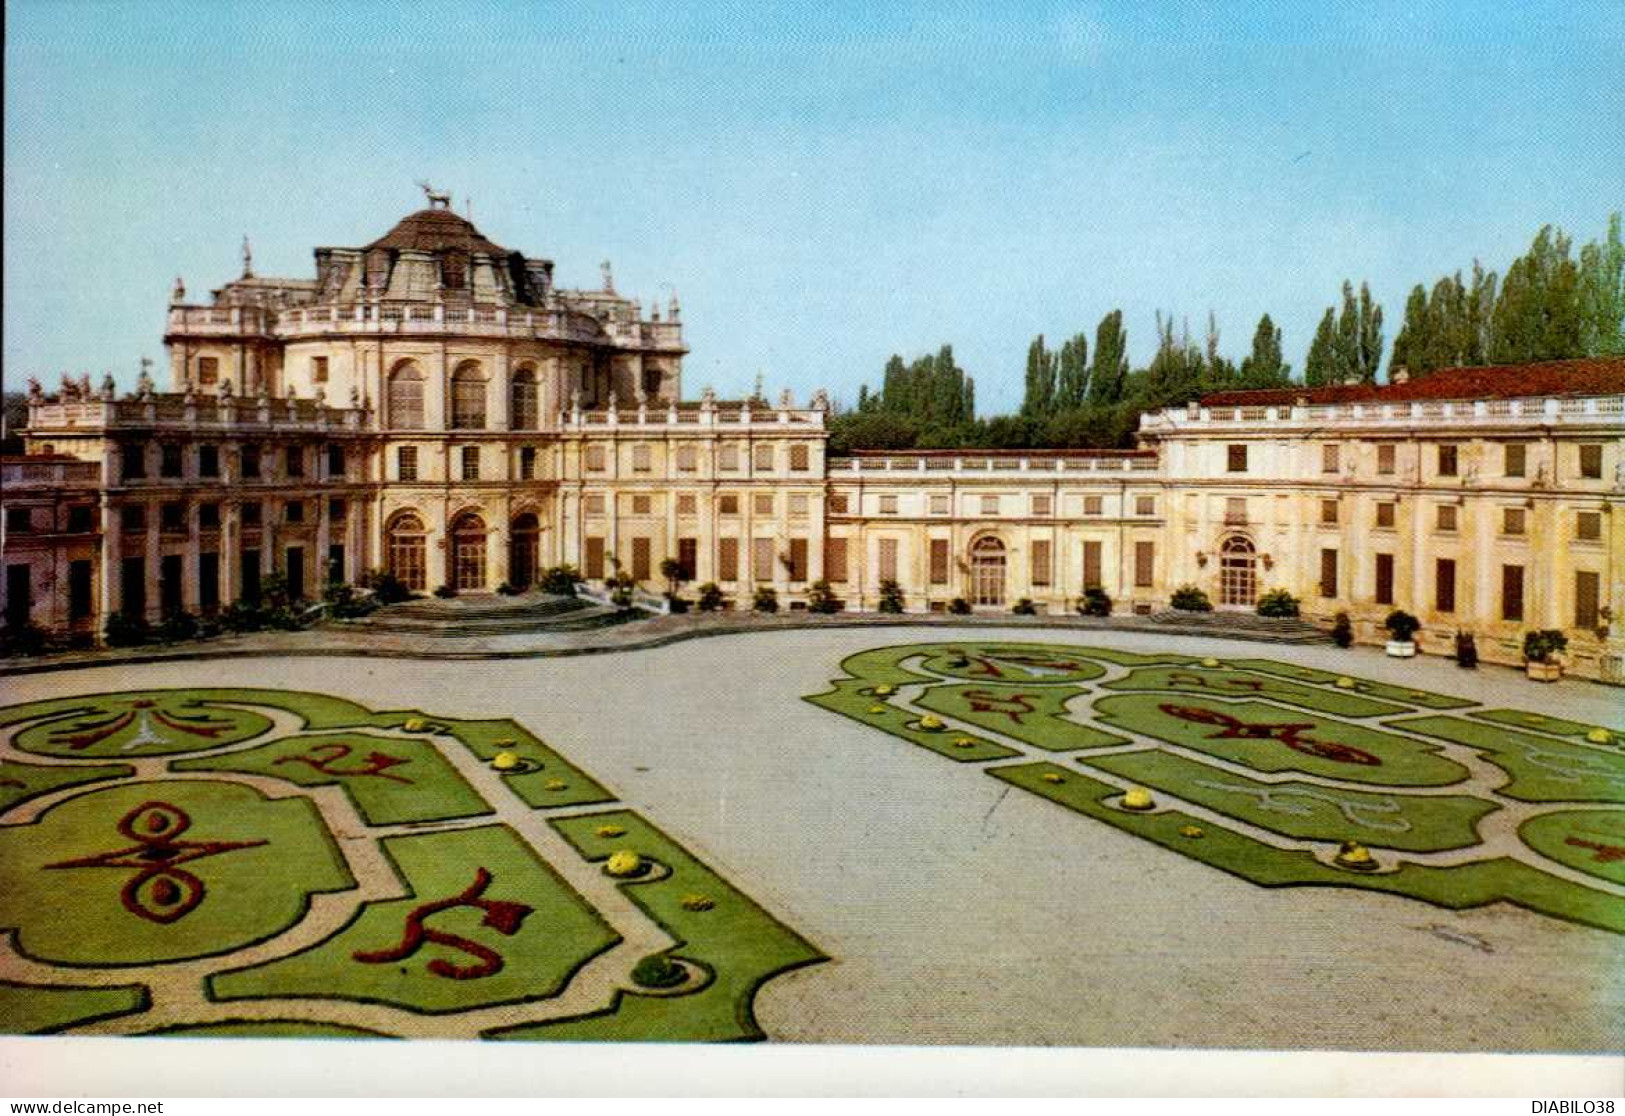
<point>437,230</point>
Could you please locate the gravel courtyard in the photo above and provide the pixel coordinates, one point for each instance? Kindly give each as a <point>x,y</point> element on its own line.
<point>960,912</point>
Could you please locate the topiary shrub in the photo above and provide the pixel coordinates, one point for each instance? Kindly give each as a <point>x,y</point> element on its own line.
<point>386,587</point>
<point>1189,598</point>
<point>178,627</point>
<point>1544,645</point>
<point>561,580</point>
<point>343,603</point>
<point>1343,631</point>
<point>1466,650</point>
<point>445,592</point>
<point>27,638</point>
<point>621,588</point>
<point>1402,625</point>
<point>822,599</point>
<point>127,631</point>
<point>1278,603</point>
<point>658,971</point>
<point>1025,607</point>
<point>891,595</point>
<point>676,605</point>
<point>765,599</point>
<point>711,597</point>
<point>1095,602</point>
<point>242,616</point>
<point>959,606</point>
<point>507,590</point>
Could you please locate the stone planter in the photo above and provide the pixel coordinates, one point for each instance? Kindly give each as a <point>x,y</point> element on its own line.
<point>1544,672</point>
<point>1401,649</point>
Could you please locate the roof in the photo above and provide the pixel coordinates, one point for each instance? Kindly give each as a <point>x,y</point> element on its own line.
<point>435,230</point>
<point>971,451</point>
<point>1589,376</point>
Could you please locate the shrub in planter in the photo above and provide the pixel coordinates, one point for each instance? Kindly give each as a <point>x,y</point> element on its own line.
<point>1343,631</point>
<point>1466,650</point>
<point>561,580</point>
<point>1025,607</point>
<point>1188,598</point>
<point>507,590</point>
<point>242,616</point>
<point>891,596</point>
<point>822,599</point>
<point>766,599</point>
<point>1402,625</point>
<point>1095,602</point>
<point>1278,603</point>
<point>177,627</point>
<point>386,587</point>
<point>1544,646</point>
<point>127,631</point>
<point>658,971</point>
<point>343,603</point>
<point>711,598</point>
<point>959,606</point>
<point>27,638</point>
<point>445,592</point>
<point>676,605</point>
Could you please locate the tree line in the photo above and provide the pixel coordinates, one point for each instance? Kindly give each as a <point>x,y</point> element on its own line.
<point>1551,305</point>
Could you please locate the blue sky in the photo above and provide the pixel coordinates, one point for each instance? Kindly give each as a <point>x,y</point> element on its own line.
<point>822,188</point>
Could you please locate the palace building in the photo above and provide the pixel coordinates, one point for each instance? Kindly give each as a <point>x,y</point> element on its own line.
<point>431,403</point>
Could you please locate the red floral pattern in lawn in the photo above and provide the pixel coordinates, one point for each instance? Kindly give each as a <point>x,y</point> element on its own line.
<point>325,757</point>
<point>502,916</point>
<point>1014,706</point>
<point>1292,735</point>
<point>1250,685</point>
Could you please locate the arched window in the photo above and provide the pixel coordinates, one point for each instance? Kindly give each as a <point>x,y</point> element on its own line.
<point>406,551</point>
<point>987,562</point>
<point>468,552</point>
<point>523,550</point>
<point>467,397</point>
<point>406,397</point>
<point>524,412</point>
<point>1238,572</point>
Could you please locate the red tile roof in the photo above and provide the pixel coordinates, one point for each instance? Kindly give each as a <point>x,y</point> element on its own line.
<point>1593,376</point>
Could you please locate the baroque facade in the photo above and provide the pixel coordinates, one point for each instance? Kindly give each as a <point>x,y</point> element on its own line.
<point>433,404</point>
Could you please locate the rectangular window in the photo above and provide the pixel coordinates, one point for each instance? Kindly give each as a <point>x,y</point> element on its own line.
<point>208,583</point>
<point>19,521</point>
<point>251,514</point>
<point>294,512</point>
<point>1235,511</point>
<point>1042,505</point>
<point>81,518</point>
<point>338,510</point>
<point>1512,521</point>
<point>1041,562</point>
<point>594,561</point>
<point>132,461</point>
<point>835,560</point>
<point>939,504</point>
<point>642,458</point>
<point>688,557</point>
<point>1516,460</point>
<point>1328,513</point>
<point>798,559</point>
<point>728,559</point>
<point>800,459</point>
<point>688,459</point>
<point>1591,461</point>
<point>1235,459</point>
<point>728,457</point>
<point>19,594</point>
<point>728,503</point>
<point>335,461</point>
<point>1385,514</point>
<point>888,559</point>
<point>296,461</point>
<point>471,462</point>
<point>1588,526</point>
<point>208,516</point>
<point>169,460</point>
<point>838,503</point>
<point>133,587</point>
<point>80,572</point>
<point>251,462</point>
<point>318,370</point>
<point>208,370</point>
<point>335,563</point>
<point>642,504</point>
<point>248,570</point>
<point>1092,564</point>
<point>990,505</point>
<point>1447,517</point>
<point>1385,579</point>
<point>595,458</point>
<point>1587,599</point>
<point>1444,585</point>
<point>761,457</point>
<point>1512,592</point>
<point>172,518</point>
<point>294,570</point>
<point>132,518</point>
<point>761,559</point>
<point>1330,457</point>
<point>798,505</point>
<point>939,561</point>
<point>593,503</point>
<point>527,462</point>
<point>1448,461</point>
<point>1145,505</point>
<point>761,503</point>
<point>687,504</point>
<point>1385,459</point>
<point>888,505</point>
<point>406,463</point>
<point>1145,564</point>
<point>208,461</point>
<point>1328,573</point>
<point>641,567</point>
<point>171,594</point>
<point>1094,505</point>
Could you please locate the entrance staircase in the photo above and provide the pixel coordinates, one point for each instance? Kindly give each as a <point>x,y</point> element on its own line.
<point>1248,625</point>
<point>485,615</point>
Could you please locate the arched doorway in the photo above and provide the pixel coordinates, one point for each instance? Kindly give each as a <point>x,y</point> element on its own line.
<point>468,552</point>
<point>523,537</point>
<point>987,562</point>
<point>406,551</point>
<point>1238,573</point>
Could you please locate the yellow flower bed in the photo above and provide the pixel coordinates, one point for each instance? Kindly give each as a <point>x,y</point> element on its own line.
<point>1345,683</point>
<point>884,690</point>
<point>609,831</point>
<point>1052,777</point>
<point>623,863</point>
<point>1190,831</point>
<point>555,784</point>
<point>930,723</point>
<point>1599,736</point>
<point>1138,798</point>
<point>877,709</point>
<point>694,902</point>
<point>964,742</point>
<point>1354,855</point>
<point>505,761</point>
<point>416,724</point>
<point>1210,662</point>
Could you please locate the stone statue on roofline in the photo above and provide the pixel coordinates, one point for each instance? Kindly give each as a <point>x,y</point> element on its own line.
<point>84,386</point>
<point>575,398</point>
<point>178,294</point>
<point>226,389</point>
<point>108,388</point>
<point>819,400</point>
<point>36,394</point>
<point>708,397</point>
<point>355,395</point>
<point>786,400</point>
<point>69,391</point>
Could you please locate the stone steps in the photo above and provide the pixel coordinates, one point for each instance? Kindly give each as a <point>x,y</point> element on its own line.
<point>459,617</point>
<point>1247,624</point>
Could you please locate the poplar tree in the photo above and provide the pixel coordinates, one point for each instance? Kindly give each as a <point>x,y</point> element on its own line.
<point>1072,385</point>
<point>1264,367</point>
<point>1109,373</point>
<point>1038,400</point>
<point>1320,366</point>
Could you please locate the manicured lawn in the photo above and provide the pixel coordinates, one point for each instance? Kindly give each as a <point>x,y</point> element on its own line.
<point>1242,684</point>
<point>1557,726</point>
<point>1591,841</point>
<point>1382,690</point>
<point>1542,769</point>
<point>1034,714</point>
<point>134,724</point>
<point>40,1009</point>
<point>21,781</point>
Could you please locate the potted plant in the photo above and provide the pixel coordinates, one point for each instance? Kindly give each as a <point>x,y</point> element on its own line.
<point>1466,650</point>
<point>1095,602</point>
<point>1402,627</point>
<point>1278,604</point>
<point>1542,653</point>
<point>1190,598</point>
<point>1343,630</point>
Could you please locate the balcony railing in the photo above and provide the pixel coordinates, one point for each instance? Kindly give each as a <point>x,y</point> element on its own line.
<point>1462,412</point>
